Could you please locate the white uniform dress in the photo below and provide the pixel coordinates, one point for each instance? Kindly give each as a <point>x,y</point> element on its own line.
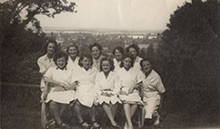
<point>128,79</point>
<point>152,86</point>
<point>111,84</point>
<point>96,63</point>
<point>137,63</point>
<point>63,76</point>
<point>116,64</point>
<point>71,64</point>
<point>86,91</point>
<point>44,64</point>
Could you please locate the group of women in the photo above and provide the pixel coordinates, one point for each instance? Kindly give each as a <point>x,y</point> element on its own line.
<point>92,79</point>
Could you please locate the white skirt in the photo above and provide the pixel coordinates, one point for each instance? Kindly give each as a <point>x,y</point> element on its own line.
<point>132,98</point>
<point>64,97</point>
<point>113,99</point>
<point>86,98</point>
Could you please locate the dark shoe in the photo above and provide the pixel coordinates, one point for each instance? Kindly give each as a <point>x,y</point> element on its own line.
<point>148,122</point>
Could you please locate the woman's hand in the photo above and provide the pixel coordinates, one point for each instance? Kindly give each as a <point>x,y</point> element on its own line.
<point>131,89</point>
<point>123,93</point>
<point>106,94</point>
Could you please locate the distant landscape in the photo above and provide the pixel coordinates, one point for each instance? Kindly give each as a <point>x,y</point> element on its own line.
<point>107,38</point>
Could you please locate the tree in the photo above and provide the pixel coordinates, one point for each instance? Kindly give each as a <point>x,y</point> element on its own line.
<point>189,51</point>
<point>18,40</point>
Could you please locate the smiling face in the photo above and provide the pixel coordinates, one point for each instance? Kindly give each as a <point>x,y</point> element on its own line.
<point>96,52</point>
<point>127,63</point>
<point>72,52</point>
<point>133,52</point>
<point>146,66</point>
<point>118,55</point>
<point>51,49</point>
<point>61,62</point>
<point>86,63</point>
<point>106,66</point>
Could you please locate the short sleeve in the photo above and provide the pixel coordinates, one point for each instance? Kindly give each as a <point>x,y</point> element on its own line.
<point>41,65</point>
<point>160,86</point>
<point>49,73</point>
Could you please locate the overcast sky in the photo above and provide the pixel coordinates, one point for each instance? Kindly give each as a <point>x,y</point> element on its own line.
<point>116,14</point>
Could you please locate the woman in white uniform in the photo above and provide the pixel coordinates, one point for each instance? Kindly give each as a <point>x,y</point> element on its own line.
<point>118,52</point>
<point>134,50</point>
<point>128,94</point>
<point>109,86</point>
<point>86,91</point>
<point>73,53</point>
<point>153,90</point>
<point>46,61</point>
<point>96,51</point>
<point>61,91</point>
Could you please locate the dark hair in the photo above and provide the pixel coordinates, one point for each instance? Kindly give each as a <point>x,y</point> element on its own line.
<point>109,60</point>
<point>72,45</point>
<point>125,56</point>
<point>47,43</point>
<point>146,59</point>
<point>83,56</point>
<point>133,46</point>
<point>95,45</point>
<point>59,55</point>
<point>120,49</point>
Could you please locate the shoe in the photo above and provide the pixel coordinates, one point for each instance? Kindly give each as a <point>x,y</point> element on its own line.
<point>116,126</point>
<point>85,125</point>
<point>95,125</point>
<point>126,126</point>
<point>157,121</point>
<point>63,126</point>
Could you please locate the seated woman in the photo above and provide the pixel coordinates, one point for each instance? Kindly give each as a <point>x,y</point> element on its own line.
<point>73,53</point>
<point>129,82</point>
<point>153,89</point>
<point>96,50</point>
<point>86,92</point>
<point>61,91</point>
<point>109,87</point>
<point>118,52</point>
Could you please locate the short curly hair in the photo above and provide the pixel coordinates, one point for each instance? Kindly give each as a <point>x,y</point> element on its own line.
<point>133,46</point>
<point>58,55</point>
<point>47,43</point>
<point>146,59</point>
<point>83,56</point>
<point>127,56</point>
<point>95,45</point>
<point>119,48</point>
<point>110,62</point>
<point>72,45</point>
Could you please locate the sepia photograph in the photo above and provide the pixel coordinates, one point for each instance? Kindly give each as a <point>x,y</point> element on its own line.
<point>110,64</point>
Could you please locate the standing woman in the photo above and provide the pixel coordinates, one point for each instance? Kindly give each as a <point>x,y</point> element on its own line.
<point>96,50</point>
<point>73,53</point>
<point>153,90</point>
<point>128,94</point>
<point>86,92</point>
<point>46,61</point>
<point>118,52</point>
<point>109,86</point>
<point>134,50</point>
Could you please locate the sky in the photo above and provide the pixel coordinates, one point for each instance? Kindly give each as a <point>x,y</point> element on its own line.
<point>116,14</point>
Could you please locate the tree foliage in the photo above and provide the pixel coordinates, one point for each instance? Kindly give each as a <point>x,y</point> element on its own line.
<point>189,51</point>
<point>22,36</point>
